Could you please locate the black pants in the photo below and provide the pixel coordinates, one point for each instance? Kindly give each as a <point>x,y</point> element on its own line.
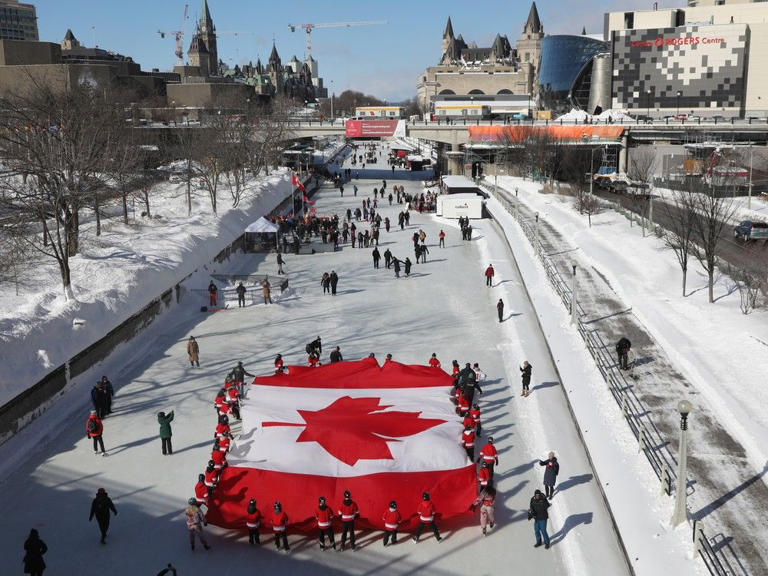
<point>348,528</point>
<point>390,534</point>
<point>253,536</point>
<point>549,491</point>
<point>623,359</point>
<point>333,289</point>
<point>501,314</point>
<point>489,280</point>
<point>470,452</point>
<point>375,263</point>
<point>240,300</point>
<point>98,443</point>
<point>167,446</point>
<point>442,242</point>
<point>281,538</point>
<point>479,429</point>
<point>420,527</point>
<point>327,532</point>
<point>103,526</point>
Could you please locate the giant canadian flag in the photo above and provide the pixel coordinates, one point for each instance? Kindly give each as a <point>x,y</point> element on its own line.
<point>383,433</point>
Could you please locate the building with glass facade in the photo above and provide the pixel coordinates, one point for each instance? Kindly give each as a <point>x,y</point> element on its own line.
<point>565,71</point>
<point>17,21</point>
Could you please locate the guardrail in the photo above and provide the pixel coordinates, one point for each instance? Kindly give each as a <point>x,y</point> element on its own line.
<point>719,557</point>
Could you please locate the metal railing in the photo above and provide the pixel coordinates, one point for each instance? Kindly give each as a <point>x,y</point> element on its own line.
<point>719,560</point>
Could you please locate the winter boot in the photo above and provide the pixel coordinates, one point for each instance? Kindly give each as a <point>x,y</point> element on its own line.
<point>484,533</point>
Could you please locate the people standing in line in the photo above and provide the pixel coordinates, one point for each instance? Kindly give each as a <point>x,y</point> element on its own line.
<point>489,273</point>
<point>266,291</point>
<point>279,364</point>
<point>348,511</point>
<point>109,392</point>
<point>193,351</point>
<point>525,370</point>
<point>500,309</point>
<point>34,549</point>
<point>376,257</point>
<point>468,441</point>
<point>474,413</point>
<point>99,399</point>
<point>280,263</point>
<point>195,522</point>
<point>538,512</point>
<point>551,470</point>
<point>94,429</point>
<point>241,294</point>
<point>391,518</point>
<point>433,361</point>
<point>252,522</point>
<point>426,512</point>
<point>101,506</point>
<point>334,278</point>
<point>165,431</point>
<point>336,355</point>
<point>623,347</point>
<point>325,282</point>
<point>489,455</point>
<point>486,500</point>
<point>212,293</point>
<point>324,517</point>
<point>423,251</point>
<point>279,527</point>
<point>442,239</point>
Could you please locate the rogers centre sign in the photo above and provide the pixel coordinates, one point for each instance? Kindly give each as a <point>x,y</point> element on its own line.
<point>661,41</point>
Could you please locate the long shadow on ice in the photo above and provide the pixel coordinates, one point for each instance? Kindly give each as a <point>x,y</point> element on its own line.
<point>570,523</point>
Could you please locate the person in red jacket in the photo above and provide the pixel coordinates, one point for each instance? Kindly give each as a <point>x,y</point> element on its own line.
<point>222,426</point>
<point>484,476</point>
<point>279,526</point>
<point>220,400</point>
<point>348,512</point>
<point>218,457</point>
<point>252,522</point>
<point>468,441</point>
<point>489,273</point>
<point>433,361</point>
<point>313,359</point>
<point>94,429</point>
<point>224,442</point>
<point>391,520</point>
<point>468,420</point>
<point>279,364</point>
<point>442,239</point>
<point>233,399</point>
<point>426,512</point>
<point>474,413</point>
<point>489,455</point>
<point>201,491</point>
<point>463,406</point>
<point>212,290</point>
<point>324,517</point>
<point>211,476</point>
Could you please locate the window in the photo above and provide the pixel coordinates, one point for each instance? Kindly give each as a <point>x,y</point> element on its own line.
<point>527,56</point>
<point>463,111</point>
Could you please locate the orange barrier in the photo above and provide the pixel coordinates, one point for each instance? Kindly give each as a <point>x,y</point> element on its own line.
<point>512,134</point>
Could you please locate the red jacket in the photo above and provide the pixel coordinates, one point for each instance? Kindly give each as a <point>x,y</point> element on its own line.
<point>463,404</point>
<point>99,426</point>
<point>468,421</point>
<point>348,511</point>
<point>279,520</point>
<point>210,477</point>
<point>232,394</point>
<point>468,438</point>
<point>324,517</point>
<point>219,400</point>
<point>253,520</point>
<point>484,476</point>
<point>279,365</point>
<point>219,458</point>
<point>201,493</point>
<point>426,511</point>
<point>220,429</point>
<point>489,454</point>
<point>475,414</point>
<point>224,442</point>
<point>489,272</point>
<point>391,519</point>
<point>434,363</point>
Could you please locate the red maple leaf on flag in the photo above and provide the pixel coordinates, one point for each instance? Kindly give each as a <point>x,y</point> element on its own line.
<point>352,429</point>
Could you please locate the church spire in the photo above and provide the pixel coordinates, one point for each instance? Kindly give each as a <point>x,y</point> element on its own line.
<point>274,57</point>
<point>533,24</point>
<point>206,22</point>
<point>448,29</point>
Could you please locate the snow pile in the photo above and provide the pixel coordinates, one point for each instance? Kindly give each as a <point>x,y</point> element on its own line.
<point>580,117</point>
<point>573,116</point>
<point>117,274</point>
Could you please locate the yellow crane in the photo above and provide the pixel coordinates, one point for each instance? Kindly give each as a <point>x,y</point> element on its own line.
<point>309,27</point>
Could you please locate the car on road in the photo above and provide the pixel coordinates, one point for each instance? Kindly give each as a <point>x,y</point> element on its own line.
<point>749,230</point>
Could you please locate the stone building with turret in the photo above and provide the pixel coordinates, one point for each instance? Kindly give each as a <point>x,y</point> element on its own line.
<point>498,69</point>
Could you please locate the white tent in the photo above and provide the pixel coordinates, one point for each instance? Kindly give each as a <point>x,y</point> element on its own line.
<point>262,225</point>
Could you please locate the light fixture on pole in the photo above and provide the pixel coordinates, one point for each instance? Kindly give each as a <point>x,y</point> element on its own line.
<point>574,306</point>
<point>648,101</point>
<point>749,191</point>
<point>678,94</point>
<point>680,514</point>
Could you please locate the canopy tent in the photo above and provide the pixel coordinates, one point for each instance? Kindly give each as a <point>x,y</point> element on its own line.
<point>262,226</point>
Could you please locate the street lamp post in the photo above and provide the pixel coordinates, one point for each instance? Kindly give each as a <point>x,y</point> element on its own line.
<point>591,170</point>
<point>648,101</point>
<point>574,307</point>
<point>680,514</point>
<point>749,191</point>
<point>678,94</point>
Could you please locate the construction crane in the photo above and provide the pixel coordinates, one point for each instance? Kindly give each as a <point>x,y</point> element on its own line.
<point>178,37</point>
<point>309,27</point>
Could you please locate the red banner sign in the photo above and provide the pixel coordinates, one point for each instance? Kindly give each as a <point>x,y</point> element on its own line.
<point>370,128</point>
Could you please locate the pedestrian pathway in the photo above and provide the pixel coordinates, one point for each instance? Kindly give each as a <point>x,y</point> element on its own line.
<point>725,491</point>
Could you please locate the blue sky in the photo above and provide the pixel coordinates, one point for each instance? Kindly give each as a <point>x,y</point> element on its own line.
<point>383,60</point>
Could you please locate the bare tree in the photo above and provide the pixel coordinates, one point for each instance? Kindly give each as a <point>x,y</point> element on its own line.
<point>712,214</point>
<point>750,281</point>
<point>642,163</point>
<point>679,231</point>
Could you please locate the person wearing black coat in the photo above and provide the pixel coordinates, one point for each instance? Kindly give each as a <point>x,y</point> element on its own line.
<point>34,548</point>
<point>468,383</point>
<point>241,294</point>
<point>101,507</point>
<point>239,373</point>
<point>99,399</point>
<point>525,370</point>
<point>538,513</point>
<point>376,257</point>
<point>407,266</point>
<point>550,474</point>
<point>334,282</point>
<point>500,309</point>
<point>336,355</point>
<point>622,349</point>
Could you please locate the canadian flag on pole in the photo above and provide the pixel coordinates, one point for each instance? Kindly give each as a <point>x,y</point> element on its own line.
<point>296,182</point>
<point>383,433</point>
